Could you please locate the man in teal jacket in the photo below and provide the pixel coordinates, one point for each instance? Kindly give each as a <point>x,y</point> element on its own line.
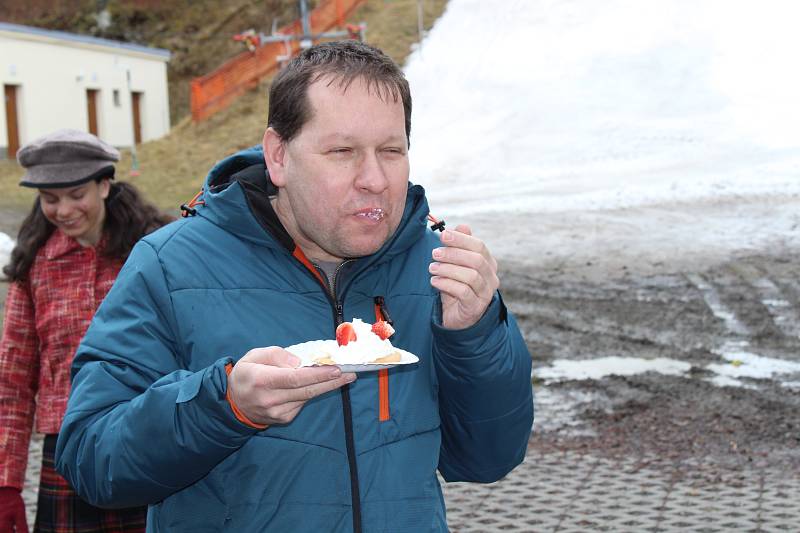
<point>183,397</point>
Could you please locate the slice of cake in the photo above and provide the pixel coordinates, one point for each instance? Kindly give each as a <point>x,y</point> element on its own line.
<point>357,343</point>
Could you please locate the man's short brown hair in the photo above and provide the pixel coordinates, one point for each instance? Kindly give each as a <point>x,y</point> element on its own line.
<point>341,62</point>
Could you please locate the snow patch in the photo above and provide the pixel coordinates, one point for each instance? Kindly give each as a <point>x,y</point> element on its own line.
<point>743,364</point>
<point>564,369</point>
<point>739,364</point>
<point>6,245</point>
<point>559,409</point>
<point>727,381</point>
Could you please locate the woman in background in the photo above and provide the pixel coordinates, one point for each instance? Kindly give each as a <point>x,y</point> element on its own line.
<point>69,251</point>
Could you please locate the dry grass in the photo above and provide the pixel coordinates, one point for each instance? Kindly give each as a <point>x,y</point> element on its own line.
<point>172,169</point>
<point>392,24</point>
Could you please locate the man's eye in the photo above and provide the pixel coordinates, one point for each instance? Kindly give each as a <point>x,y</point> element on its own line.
<point>341,150</point>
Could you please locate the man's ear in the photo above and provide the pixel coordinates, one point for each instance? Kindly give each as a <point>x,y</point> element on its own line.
<point>274,154</point>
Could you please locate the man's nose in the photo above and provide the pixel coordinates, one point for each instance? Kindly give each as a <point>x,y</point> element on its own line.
<point>371,174</point>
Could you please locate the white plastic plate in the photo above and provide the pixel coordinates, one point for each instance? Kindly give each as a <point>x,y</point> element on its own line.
<point>308,351</point>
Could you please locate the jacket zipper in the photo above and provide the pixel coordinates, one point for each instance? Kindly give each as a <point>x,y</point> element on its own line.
<point>380,301</point>
<point>347,410</point>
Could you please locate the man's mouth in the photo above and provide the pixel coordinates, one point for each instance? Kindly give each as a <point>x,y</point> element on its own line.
<point>375,214</point>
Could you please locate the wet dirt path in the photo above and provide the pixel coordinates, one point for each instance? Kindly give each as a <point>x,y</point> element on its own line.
<point>688,317</point>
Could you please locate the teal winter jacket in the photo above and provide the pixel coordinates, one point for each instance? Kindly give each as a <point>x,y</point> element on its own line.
<point>148,422</point>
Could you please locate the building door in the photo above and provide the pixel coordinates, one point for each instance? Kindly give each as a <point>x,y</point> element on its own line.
<point>136,104</point>
<point>12,128</point>
<point>91,109</point>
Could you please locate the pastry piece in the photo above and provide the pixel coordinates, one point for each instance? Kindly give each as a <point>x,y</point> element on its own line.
<point>324,360</point>
<point>394,357</point>
<point>387,359</point>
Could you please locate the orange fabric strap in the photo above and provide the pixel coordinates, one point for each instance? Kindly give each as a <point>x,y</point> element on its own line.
<point>383,392</point>
<point>383,382</point>
<point>240,416</point>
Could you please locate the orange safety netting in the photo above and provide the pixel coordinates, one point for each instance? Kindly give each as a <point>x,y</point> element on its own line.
<point>218,89</point>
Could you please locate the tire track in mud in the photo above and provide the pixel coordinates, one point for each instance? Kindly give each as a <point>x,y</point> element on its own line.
<point>759,308</point>
<point>654,317</point>
<point>717,307</point>
<point>778,302</point>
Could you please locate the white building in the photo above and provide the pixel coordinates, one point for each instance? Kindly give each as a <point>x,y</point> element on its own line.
<point>54,79</point>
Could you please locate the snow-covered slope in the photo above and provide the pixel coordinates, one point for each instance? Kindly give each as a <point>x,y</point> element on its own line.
<point>554,105</point>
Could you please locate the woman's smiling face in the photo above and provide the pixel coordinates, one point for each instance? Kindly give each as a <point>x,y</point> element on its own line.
<point>78,211</point>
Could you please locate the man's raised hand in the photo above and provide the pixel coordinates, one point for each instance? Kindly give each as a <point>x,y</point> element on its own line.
<point>465,273</point>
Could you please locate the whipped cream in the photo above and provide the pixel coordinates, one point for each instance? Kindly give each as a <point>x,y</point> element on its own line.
<point>367,346</point>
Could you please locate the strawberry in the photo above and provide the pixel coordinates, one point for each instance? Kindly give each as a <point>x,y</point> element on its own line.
<point>382,329</point>
<point>345,333</point>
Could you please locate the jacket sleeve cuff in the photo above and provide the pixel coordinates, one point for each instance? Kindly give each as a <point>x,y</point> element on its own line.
<point>209,390</point>
<point>240,416</point>
<point>465,338</point>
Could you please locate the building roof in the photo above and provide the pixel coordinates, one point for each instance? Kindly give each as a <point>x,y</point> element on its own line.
<point>50,35</point>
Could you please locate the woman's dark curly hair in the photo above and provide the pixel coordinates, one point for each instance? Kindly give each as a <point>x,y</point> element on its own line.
<point>128,218</point>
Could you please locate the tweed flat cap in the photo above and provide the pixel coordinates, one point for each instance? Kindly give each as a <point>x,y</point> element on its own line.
<point>66,158</point>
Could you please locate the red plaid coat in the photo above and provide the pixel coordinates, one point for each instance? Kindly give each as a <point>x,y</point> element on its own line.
<point>45,320</point>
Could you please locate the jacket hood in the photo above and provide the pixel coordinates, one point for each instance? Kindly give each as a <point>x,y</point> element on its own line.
<point>236,197</point>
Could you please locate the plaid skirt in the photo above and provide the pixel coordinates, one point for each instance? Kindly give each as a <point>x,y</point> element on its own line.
<point>60,510</point>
